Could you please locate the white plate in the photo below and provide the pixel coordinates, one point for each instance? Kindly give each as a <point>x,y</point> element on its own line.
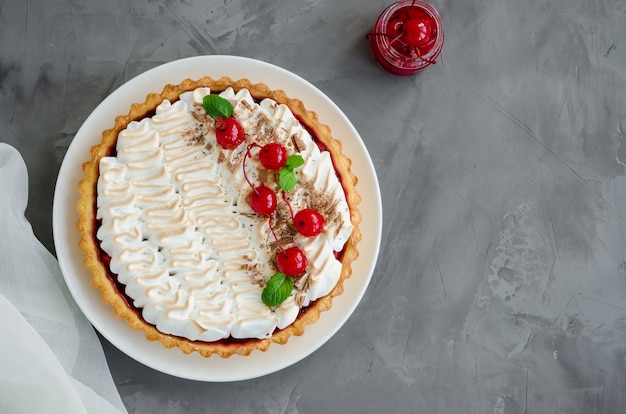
<point>173,361</point>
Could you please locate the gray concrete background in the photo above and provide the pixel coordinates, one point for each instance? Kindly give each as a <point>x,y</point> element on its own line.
<point>501,282</point>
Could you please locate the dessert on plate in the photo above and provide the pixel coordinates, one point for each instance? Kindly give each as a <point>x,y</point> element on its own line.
<point>219,216</point>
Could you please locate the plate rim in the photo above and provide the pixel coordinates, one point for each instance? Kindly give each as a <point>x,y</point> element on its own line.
<point>109,326</point>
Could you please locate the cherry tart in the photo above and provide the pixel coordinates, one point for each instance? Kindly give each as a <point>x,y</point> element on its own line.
<point>218,216</point>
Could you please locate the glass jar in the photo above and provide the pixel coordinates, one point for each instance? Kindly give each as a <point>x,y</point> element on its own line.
<point>407,37</point>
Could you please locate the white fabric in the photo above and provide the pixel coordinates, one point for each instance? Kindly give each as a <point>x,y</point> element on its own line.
<point>51,360</point>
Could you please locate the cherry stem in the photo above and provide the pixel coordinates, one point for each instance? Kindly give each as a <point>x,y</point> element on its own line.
<point>248,155</point>
<point>289,205</point>
<point>397,39</point>
<point>282,249</point>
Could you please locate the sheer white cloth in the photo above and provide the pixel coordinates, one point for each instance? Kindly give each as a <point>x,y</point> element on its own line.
<point>51,360</point>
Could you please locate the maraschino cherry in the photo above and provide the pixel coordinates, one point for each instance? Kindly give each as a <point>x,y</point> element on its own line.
<point>309,222</point>
<point>418,31</point>
<point>262,200</point>
<point>273,156</point>
<point>228,132</point>
<point>291,261</point>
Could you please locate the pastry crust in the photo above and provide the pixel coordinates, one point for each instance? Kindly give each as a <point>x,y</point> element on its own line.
<point>87,223</point>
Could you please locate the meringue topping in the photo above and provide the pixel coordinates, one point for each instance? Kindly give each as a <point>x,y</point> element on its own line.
<point>175,220</point>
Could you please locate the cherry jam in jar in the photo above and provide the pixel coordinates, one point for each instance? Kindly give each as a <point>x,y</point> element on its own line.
<point>407,37</point>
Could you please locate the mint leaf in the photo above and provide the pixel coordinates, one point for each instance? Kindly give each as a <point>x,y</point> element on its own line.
<point>215,106</point>
<point>287,179</point>
<point>294,161</point>
<point>278,289</point>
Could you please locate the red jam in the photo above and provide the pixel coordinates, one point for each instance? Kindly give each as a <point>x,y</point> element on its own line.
<point>407,37</point>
